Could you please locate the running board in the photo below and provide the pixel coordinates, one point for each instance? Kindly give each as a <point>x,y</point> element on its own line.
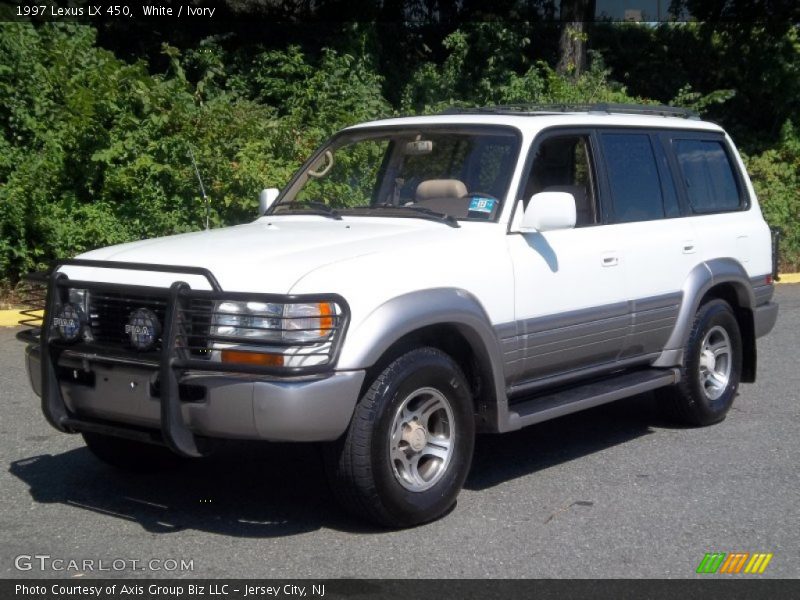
<point>566,401</point>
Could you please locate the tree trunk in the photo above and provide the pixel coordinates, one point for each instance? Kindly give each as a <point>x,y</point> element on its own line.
<point>575,16</point>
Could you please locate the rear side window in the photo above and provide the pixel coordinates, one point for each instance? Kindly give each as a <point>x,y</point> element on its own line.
<point>633,177</point>
<point>707,175</point>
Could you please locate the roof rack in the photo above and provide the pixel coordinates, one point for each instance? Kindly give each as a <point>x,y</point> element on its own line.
<point>596,108</point>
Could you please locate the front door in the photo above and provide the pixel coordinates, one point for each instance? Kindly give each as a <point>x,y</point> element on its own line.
<point>570,290</point>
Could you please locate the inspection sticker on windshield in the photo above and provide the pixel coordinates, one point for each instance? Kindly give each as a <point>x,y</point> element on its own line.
<point>484,207</point>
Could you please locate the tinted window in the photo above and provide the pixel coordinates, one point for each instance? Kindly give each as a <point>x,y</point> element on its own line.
<point>708,176</point>
<point>633,177</point>
<point>672,207</point>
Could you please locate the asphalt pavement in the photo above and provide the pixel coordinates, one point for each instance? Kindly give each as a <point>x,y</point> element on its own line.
<point>616,491</point>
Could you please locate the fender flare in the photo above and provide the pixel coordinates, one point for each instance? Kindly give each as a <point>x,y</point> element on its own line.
<point>701,279</point>
<point>405,314</point>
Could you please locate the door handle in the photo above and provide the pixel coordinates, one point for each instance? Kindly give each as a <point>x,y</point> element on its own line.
<point>688,247</point>
<point>610,260</point>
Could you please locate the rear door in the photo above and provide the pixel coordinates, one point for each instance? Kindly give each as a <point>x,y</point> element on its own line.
<point>715,197</point>
<point>660,245</point>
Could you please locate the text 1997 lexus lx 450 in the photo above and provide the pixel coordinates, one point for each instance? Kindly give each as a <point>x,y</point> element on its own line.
<point>417,281</point>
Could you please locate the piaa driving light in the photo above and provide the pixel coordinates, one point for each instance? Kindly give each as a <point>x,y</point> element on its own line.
<point>70,319</point>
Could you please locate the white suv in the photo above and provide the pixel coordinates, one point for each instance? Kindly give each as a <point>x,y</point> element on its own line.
<point>417,281</point>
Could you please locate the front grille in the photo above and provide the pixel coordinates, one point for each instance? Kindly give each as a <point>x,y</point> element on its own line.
<point>109,312</point>
<point>267,332</point>
<point>194,324</point>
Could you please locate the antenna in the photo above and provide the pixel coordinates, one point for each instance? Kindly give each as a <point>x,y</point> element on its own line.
<point>202,189</point>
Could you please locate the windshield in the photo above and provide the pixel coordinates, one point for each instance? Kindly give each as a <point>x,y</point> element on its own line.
<point>439,173</point>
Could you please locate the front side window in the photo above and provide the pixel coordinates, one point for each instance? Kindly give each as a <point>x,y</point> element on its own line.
<point>564,164</point>
<point>464,174</point>
<point>633,177</point>
<point>707,175</point>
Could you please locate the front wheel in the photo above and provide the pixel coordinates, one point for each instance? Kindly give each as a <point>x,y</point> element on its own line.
<point>712,368</point>
<point>409,447</point>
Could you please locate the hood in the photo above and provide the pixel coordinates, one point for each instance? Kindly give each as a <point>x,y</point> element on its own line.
<point>268,255</point>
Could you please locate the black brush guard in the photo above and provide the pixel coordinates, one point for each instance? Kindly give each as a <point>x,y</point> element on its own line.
<point>172,360</point>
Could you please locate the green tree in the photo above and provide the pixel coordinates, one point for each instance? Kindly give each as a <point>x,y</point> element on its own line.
<point>94,150</point>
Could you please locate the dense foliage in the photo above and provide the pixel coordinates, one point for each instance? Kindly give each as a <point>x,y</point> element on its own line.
<point>776,177</point>
<point>95,151</point>
<point>94,148</point>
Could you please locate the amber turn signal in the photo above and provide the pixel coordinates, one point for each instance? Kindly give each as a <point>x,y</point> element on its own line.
<point>252,358</point>
<point>325,318</point>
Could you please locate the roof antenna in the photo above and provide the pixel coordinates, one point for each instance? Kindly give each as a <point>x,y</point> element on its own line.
<point>202,189</point>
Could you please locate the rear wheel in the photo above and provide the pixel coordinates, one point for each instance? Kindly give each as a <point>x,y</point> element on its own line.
<point>409,446</point>
<point>712,368</point>
<point>130,455</point>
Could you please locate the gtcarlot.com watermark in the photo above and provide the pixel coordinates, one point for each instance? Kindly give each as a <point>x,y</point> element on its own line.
<point>46,562</point>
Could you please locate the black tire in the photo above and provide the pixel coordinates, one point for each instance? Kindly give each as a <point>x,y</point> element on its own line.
<point>691,401</point>
<point>130,455</point>
<point>362,466</point>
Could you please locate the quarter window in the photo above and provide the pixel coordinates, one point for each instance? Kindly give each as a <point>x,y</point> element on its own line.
<point>707,175</point>
<point>633,177</point>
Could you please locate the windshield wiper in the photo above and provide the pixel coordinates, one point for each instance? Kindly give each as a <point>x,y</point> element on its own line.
<point>314,208</point>
<point>420,212</point>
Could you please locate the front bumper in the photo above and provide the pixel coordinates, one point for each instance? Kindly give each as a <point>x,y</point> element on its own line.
<point>234,407</point>
<point>171,396</point>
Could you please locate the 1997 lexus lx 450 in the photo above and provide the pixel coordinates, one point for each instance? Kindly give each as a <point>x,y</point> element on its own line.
<point>417,281</point>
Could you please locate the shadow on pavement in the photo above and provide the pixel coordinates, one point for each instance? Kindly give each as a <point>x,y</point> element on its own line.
<point>249,489</point>
<point>500,458</point>
<point>243,489</point>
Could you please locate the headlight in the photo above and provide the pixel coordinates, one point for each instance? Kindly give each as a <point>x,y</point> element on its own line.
<point>248,320</point>
<point>308,322</point>
<point>271,322</point>
<point>79,298</point>
<point>270,334</point>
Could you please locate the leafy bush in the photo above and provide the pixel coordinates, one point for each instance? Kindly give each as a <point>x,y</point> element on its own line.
<point>94,150</point>
<point>776,178</point>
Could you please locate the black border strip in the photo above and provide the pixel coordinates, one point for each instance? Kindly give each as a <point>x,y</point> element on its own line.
<point>732,587</point>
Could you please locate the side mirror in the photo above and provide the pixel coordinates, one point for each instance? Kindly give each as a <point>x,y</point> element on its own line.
<point>266,198</point>
<point>549,211</point>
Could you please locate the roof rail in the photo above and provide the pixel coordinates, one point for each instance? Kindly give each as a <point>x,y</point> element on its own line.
<point>601,107</point>
<point>645,109</point>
